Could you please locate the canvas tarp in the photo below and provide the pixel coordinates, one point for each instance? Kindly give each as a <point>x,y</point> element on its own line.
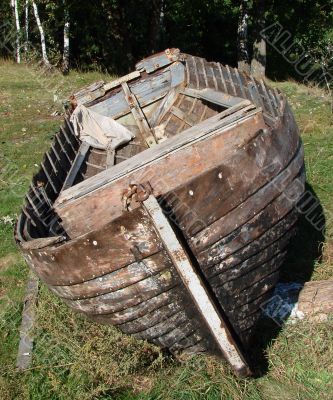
<point>98,130</point>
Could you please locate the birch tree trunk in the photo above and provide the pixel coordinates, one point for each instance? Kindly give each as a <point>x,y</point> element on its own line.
<point>26,28</point>
<point>42,35</point>
<point>243,53</point>
<point>18,30</point>
<point>65,58</point>
<point>258,63</point>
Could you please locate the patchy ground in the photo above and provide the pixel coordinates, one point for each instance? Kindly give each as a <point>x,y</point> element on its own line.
<point>75,359</point>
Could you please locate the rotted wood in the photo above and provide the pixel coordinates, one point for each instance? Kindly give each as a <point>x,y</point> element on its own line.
<point>127,297</point>
<point>164,107</point>
<point>116,280</point>
<point>213,96</point>
<point>315,300</point>
<point>77,163</point>
<point>24,356</point>
<point>204,200</point>
<point>142,280</point>
<point>94,253</point>
<point>257,200</point>
<point>245,254</point>
<point>139,116</point>
<point>196,288</point>
<point>255,227</point>
<point>165,173</point>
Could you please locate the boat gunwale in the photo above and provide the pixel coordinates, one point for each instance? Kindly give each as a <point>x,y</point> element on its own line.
<point>118,172</point>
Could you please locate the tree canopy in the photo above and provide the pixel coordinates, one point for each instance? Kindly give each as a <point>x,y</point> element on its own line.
<point>113,34</point>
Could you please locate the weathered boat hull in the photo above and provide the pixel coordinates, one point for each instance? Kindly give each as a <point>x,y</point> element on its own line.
<point>228,176</point>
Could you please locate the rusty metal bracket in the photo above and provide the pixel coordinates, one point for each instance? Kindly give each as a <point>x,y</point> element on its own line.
<point>136,193</point>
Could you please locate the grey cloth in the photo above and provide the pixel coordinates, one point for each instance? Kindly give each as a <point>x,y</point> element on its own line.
<point>98,130</point>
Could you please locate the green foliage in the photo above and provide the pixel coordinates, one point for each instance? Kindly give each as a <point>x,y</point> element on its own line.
<point>112,34</point>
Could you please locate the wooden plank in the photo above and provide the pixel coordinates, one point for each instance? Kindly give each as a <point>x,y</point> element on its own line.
<point>77,163</point>
<point>248,199</point>
<point>159,60</point>
<point>137,311</point>
<point>231,80</point>
<point>94,253</point>
<point>164,107</point>
<point>139,116</point>
<point>258,225</point>
<point>153,318</point>
<point>147,91</point>
<point>127,297</point>
<point>177,112</point>
<point>268,99</point>
<point>167,167</point>
<point>232,289</point>
<point>284,227</point>
<point>119,81</point>
<point>213,96</point>
<point>243,262</point>
<point>315,300</point>
<point>196,288</point>
<point>24,356</point>
<point>40,243</point>
<point>258,289</point>
<point>116,280</point>
<point>213,195</point>
<point>222,78</point>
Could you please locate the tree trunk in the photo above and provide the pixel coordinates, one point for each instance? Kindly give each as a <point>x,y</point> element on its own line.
<point>258,63</point>
<point>42,35</point>
<point>26,28</point>
<point>243,53</point>
<point>18,30</point>
<point>65,58</point>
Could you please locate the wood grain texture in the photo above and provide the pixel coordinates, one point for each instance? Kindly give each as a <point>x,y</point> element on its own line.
<point>229,179</point>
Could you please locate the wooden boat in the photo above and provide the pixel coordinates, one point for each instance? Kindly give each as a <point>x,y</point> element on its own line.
<point>176,236</point>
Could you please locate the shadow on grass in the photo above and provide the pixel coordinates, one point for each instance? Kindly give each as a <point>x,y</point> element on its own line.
<point>304,252</point>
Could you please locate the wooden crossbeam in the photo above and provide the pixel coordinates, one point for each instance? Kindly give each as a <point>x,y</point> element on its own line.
<point>139,116</point>
<point>79,158</point>
<point>213,96</point>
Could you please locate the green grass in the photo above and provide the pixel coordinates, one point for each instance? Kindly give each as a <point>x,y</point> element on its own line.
<point>76,359</point>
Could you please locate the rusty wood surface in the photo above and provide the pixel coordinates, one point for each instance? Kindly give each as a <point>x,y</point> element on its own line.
<point>221,192</point>
<point>139,116</point>
<point>119,279</point>
<point>275,233</point>
<point>80,212</point>
<point>129,296</point>
<point>233,217</point>
<point>24,356</point>
<point>124,241</point>
<point>196,289</point>
<point>255,227</point>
